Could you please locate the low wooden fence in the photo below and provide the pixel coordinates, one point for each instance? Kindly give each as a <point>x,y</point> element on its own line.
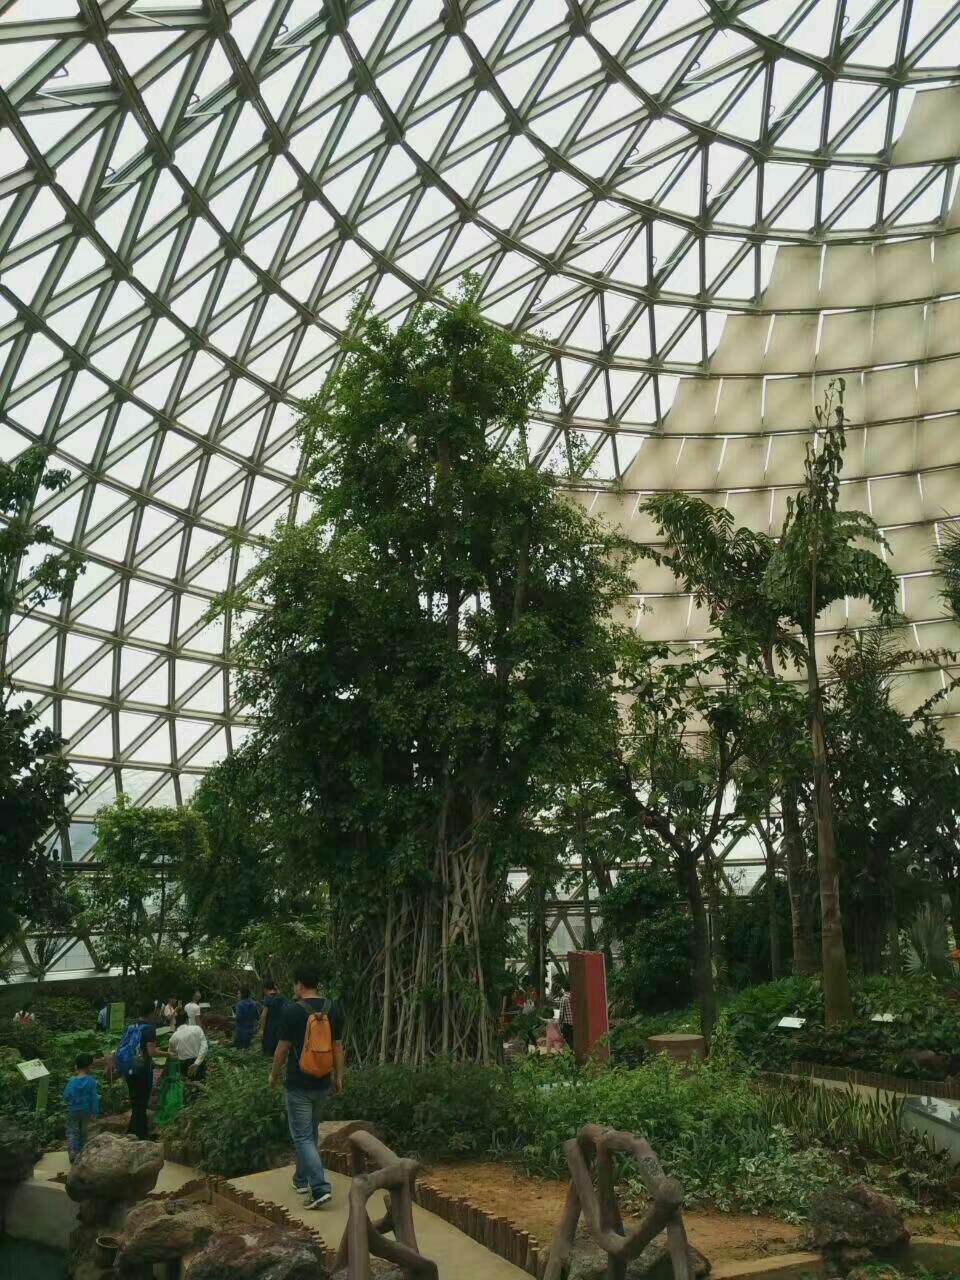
<point>949,1089</point>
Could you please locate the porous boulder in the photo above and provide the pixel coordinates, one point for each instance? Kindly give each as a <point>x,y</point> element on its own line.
<point>589,1262</point>
<point>20,1149</point>
<point>258,1253</point>
<point>856,1218</point>
<point>163,1231</point>
<point>116,1170</point>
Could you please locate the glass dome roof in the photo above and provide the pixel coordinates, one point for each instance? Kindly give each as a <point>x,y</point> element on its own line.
<point>699,209</point>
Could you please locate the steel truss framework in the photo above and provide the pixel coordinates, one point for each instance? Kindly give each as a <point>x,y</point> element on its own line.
<point>697,208</point>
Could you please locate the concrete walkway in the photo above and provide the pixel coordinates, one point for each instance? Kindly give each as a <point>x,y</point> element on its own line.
<point>454,1253</point>
<point>44,1213</point>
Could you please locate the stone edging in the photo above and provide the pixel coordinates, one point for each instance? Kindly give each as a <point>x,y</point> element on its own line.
<point>496,1233</point>
<point>877,1080</point>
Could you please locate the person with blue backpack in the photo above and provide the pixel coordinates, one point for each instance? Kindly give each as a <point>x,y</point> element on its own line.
<point>133,1060</point>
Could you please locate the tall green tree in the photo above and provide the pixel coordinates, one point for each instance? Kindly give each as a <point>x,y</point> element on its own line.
<point>686,776</point>
<point>35,780</point>
<point>435,655</point>
<point>816,562</point>
<point>897,790</point>
<point>133,907</point>
<point>768,594</point>
<point>646,916</point>
<point>723,567</point>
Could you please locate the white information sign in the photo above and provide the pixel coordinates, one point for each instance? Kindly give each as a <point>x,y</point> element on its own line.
<point>32,1070</point>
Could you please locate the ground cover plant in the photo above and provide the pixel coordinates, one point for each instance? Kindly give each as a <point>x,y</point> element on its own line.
<point>733,1145</point>
<point>922,1042</point>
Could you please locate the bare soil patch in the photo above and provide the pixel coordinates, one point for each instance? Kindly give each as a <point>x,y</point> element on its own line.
<point>534,1205</point>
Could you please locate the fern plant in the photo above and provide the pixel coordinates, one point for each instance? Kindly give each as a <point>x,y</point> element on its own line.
<point>927,946</point>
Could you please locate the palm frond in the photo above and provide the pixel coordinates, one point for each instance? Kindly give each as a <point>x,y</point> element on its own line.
<point>947,561</point>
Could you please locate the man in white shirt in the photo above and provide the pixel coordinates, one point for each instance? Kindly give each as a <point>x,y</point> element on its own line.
<point>193,1011</point>
<point>189,1045</point>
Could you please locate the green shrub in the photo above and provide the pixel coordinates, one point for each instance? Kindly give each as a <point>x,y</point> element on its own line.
<point>236,1125</point>
<point>924,1020</point>
<point>644,912</point>
<point>440,1112</point>
<point>705,1124</point>
<point>747,1030</point>
<point>868,1128</point>
<point>628,1037</point>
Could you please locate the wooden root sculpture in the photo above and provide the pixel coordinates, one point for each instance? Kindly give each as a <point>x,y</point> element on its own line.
<point>364,1239</point>
<point>590,1154</point>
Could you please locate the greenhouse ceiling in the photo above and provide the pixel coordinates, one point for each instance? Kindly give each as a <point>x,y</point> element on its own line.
<point>701,209</point>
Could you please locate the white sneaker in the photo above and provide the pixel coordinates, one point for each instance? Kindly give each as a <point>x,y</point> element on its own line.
<point>301,1191</point>
<point>323,1198</point>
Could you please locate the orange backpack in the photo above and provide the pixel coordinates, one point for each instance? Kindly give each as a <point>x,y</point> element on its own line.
<point>316,1055</point>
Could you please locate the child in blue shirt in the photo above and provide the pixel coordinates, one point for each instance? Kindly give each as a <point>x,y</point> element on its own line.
<point>83,1102</point>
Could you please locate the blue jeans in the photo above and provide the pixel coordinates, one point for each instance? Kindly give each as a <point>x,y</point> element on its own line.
<point>305,1108</point>
<point>77,1124</point>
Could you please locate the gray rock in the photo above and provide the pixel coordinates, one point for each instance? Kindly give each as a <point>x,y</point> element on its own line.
<point>20,1149</point>
<point>162,1231</point>
<point>109,1168</point>
<point>589,1262</point>
<point>858,1218</point>
<point>244,1252</point>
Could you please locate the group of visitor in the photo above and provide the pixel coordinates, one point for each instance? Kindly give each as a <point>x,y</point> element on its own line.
<point>553,1033</point>
<point>302,1037</point>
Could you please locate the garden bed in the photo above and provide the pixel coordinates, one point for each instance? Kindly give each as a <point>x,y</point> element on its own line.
<point>534,1205</point>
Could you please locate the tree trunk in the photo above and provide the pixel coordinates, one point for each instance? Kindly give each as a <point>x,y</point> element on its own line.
<point>837,1005</point>
<point>702,959</point>
<point>773,924</point>
<point>805,959</point>
<point>538,932</point>
<point>589,936</point>
<point>893,938</point>
<point>866,929</point>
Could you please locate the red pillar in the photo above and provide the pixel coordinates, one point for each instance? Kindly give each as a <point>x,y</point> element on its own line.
<point>588,991</point>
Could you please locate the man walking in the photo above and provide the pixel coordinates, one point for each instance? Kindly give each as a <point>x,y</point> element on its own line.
<point>311,1046</point>
<point>246,1015</point>
<point>189,1046</point>
<point>270,1016</point>
<point>134,1061</point>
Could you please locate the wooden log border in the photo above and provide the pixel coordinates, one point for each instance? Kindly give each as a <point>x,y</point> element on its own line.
<point>208,1188</point>
<point>878,1080</point>
<point>498,1234</point>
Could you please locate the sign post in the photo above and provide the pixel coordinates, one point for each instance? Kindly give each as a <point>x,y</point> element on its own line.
<point>34,1069</point>
<point>588,992</point>
<point>116,1018</point>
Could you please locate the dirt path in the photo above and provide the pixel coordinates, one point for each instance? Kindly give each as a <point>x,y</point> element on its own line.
<point>535,1206</point>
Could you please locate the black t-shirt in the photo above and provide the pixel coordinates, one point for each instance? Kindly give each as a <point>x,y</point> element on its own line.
<point>293,1027</point>
<point>274,1006</point>
<point>148,1035</point>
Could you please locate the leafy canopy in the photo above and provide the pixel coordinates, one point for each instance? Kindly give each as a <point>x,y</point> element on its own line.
<point>35,780</point>
<point>443,611</point>
<point>132,900</point>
